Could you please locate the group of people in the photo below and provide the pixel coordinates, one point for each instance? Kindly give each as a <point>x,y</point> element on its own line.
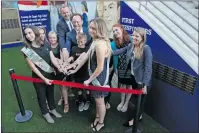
<point>88,56</point>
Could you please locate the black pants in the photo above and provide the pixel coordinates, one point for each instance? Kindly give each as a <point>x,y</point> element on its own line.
<point>84,97</point>
<point>44,92</point>
<point>131,112</point>
<point>107,99</point>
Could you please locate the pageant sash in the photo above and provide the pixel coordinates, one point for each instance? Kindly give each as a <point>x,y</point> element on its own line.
<point>36,59</point>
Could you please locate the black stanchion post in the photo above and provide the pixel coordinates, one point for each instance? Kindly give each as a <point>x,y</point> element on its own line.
<point>135,122</point>
<point>24,115</point>
<point>17,93</point>
<point>134,129</point>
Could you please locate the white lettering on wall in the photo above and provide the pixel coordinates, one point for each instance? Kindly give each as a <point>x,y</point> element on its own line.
<point>35,20</point>
<point>127,27</point>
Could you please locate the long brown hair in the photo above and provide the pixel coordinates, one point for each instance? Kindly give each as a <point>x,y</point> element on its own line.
<point>125,36</point>
<point>45,39</point>
<point>35,30</point>
<point>139,50</point>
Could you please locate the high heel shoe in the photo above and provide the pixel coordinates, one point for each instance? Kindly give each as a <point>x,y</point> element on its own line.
<point>94,124</point>
<point>95,128</point>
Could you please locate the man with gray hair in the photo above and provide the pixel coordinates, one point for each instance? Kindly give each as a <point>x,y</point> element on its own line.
<point>71,40</point>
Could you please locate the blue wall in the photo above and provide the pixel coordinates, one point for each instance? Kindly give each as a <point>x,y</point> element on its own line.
<point>12,45</point>
<point>172,107</point>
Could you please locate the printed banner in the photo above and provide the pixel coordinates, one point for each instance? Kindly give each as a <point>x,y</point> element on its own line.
<point>34,13</point>
<point>36,18</point>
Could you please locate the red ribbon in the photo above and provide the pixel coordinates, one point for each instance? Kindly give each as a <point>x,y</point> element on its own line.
<point>78,85</point>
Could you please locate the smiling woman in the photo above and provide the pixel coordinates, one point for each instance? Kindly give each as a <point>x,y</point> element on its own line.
<point>39,58</point>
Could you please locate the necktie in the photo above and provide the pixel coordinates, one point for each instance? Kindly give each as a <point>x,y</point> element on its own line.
<point>70,26</point>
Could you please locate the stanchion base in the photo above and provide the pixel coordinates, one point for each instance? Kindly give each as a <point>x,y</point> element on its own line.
<point>26,117</point>
<point>130,131</point>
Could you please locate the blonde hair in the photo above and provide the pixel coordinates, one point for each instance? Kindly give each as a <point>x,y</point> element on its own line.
<point>139,50</point>
<point>52,33</point>
<point>102,31</point>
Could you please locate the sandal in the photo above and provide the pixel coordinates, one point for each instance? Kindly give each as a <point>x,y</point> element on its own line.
<point>95,129</point>
<point>66,108</point>
<point>93,124</point>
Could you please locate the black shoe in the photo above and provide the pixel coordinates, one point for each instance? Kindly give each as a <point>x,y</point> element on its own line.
<point>126,124</point>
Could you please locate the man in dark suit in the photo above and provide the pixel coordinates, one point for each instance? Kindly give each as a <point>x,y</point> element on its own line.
<point>64,25</point>
<point>71,40</point>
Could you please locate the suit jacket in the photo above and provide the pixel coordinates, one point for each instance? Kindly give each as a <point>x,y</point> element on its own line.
<point>71,40</point>
<point>62,29</point>
<point>142,68</point>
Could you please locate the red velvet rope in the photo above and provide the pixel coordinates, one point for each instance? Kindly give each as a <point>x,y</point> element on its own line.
<point>78,85</point>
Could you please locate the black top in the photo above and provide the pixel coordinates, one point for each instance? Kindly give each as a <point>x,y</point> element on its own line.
<point>56,51</point>
<point>44,53</point>
<point>75,53</point>
<point>93,65</point>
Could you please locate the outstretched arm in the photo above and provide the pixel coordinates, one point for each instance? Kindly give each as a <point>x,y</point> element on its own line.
<point>70,59</point>
<point>61,55</point>
<point>58,63</point>
<point>122,50</point>
<point>54,60</point>
<point>79,63</point>
<point>37,72</point>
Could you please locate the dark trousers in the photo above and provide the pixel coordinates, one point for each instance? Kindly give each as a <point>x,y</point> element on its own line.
<point>131,111</point>
<point>107,99</point>
<point>84,97</point>
<point>44,92</point>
